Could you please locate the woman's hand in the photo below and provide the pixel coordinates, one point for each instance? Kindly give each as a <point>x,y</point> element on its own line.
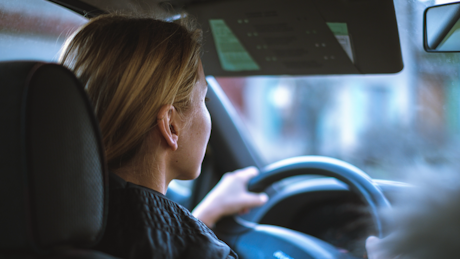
<point>375,250</point>
<point>229,196</point>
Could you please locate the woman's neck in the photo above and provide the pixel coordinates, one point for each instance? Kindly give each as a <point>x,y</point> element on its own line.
<point>153,177</point>
<point>150,167</point>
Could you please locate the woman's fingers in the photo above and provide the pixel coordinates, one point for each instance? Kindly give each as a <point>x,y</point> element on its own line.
<point>372,242</point>
<point>254,199</point>
<point>245,174</point>
<point>242,197</point>
<point>375,249</point>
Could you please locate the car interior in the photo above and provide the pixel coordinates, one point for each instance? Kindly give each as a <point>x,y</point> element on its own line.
<point>273,70</point>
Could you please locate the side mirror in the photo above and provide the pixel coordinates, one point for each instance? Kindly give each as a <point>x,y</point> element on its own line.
<point>442,28</point>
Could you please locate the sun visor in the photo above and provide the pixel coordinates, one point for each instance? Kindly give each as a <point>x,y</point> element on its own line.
<point>299,37</point>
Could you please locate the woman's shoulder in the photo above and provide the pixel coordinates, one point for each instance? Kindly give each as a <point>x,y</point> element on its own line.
<point>148,207</point>
<point>143,223</point>
<point>156,210</point>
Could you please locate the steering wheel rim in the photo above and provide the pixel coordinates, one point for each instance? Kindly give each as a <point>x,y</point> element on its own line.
<point>230,228</point>
<point>357,180</point>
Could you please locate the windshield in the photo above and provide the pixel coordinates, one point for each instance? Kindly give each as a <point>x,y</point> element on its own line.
<point>388,125</point>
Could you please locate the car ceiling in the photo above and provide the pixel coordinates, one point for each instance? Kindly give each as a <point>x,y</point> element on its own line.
<point>282,37</point>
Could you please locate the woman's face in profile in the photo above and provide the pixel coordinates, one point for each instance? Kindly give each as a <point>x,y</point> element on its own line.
<point>194,139</point>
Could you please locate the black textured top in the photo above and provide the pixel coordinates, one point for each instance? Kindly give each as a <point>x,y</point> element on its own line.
<point>143,223</point>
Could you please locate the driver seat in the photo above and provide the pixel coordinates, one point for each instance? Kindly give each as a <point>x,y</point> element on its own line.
<point>53,177</point>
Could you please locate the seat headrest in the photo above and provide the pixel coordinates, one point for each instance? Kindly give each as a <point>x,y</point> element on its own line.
<point>52,169</point>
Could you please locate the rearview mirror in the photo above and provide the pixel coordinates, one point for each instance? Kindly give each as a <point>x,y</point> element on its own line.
<point>442,28</point>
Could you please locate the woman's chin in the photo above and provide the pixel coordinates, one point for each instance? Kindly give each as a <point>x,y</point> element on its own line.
<point>190,175</point>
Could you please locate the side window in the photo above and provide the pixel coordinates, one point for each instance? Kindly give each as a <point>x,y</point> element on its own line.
<point>34,30</point>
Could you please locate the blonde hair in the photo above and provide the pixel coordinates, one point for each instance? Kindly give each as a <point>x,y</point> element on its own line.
<point>130,68</point>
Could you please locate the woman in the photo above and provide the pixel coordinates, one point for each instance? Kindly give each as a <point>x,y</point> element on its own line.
<point>148,88</point>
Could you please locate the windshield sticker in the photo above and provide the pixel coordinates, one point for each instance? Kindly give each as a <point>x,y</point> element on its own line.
<point>340,31</point>
<point>232,55</point>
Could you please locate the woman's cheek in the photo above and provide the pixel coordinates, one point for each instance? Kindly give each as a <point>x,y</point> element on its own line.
<point>208,123</point>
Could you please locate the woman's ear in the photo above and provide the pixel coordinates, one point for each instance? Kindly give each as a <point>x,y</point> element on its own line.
<point>168,124</point>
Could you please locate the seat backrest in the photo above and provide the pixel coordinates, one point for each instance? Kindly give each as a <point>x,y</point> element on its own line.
<point>52,170</point>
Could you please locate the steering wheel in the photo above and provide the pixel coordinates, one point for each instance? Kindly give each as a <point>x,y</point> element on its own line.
<point>252,240</point>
